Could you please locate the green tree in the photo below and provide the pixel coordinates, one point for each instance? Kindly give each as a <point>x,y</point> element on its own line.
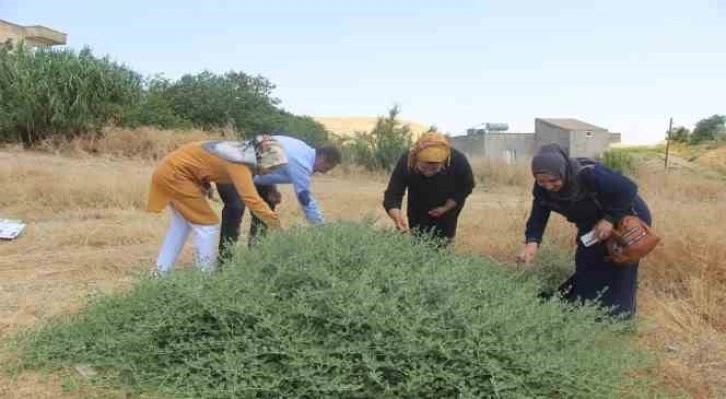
<point>380,148</point>
<point>680,135</point>
<point>60,93</point>
<point>49,93</point>
<point>358,149</point>
<point>711,128</point>
<point>390,139</point>
<point>210,101</point>
<point>304,128</point>
<point>155,108</point>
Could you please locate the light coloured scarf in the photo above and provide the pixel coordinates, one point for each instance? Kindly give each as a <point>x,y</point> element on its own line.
<point>262,153</point>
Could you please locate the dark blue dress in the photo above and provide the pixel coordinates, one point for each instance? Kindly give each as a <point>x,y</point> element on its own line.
<point>610,196</point>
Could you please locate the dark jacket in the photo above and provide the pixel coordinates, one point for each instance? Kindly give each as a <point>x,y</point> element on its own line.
<point>456,182</point>
<point>609,195</point>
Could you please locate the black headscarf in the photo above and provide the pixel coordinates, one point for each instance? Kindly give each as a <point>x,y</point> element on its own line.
<point>553,160</point>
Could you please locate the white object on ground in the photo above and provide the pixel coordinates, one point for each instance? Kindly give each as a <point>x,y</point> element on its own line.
<point>10,229</point>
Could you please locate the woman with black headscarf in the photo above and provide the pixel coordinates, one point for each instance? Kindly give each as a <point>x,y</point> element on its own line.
<point>593,198</point>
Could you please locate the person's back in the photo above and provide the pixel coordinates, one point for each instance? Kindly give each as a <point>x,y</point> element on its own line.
<point>302,161</point>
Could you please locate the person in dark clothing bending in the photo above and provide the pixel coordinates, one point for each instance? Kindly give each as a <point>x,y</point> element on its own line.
<point>592,197</point>
<point>303,162</point>
<point>438,179</point>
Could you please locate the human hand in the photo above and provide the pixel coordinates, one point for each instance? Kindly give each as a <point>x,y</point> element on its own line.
<point>274,196</point>
<point>397,217</point>
<point>438,211</point>
<point>441,210</point>
<point>528,253</point>
<point>603,229</point>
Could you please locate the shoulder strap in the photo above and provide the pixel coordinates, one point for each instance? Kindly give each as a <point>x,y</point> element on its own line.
<point>591,193</point>
<point>588,163</point>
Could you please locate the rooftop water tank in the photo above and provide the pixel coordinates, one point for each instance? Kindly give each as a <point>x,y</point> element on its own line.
<point>497,127</point>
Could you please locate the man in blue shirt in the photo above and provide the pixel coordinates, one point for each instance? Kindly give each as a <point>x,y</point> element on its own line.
<point>303,161</point>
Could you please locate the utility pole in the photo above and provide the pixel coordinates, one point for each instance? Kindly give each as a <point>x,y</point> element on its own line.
<point>668,143</point>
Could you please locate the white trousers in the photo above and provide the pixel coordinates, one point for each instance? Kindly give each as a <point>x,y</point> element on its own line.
<point>205,237</point>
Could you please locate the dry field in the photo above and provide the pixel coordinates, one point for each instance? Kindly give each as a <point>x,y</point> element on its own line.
<point>87,233</point>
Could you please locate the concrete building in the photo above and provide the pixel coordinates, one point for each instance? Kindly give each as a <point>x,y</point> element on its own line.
<point>34,35</point>
<point>580,138</point>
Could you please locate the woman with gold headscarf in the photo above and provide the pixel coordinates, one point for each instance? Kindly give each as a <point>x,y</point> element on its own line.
<point>438,179</point>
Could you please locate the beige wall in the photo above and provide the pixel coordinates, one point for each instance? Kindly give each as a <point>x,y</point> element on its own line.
<point>7,31</point>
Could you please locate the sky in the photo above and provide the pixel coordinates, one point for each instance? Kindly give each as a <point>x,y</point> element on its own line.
<point>626,65</point>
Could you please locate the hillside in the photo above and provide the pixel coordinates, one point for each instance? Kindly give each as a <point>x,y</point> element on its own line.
<point>348,125</point>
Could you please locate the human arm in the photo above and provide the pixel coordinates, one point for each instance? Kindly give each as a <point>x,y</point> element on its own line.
<point>241,176</point>
<point>300,178</point>
<point>393,196</point>
<point>464,178</point>
<point>614,194</point>
<point>441,210</point>
<point>536,224</point>
<point>397,216</point>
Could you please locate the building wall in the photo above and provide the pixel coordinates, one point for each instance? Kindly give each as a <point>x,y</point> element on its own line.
<point>547,134</point>
<point>519,147</point>
<point>9,31</point>
<point>471,146</point>
<point>34,36</point>
<point>590,143</point>
<point>510,147</point>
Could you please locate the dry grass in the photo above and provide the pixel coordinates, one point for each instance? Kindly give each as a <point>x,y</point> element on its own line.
<point>142,143</point>
<point>88,233</point>
<point>684,281</point>
<point>347,126</point>
<point>714,158</point>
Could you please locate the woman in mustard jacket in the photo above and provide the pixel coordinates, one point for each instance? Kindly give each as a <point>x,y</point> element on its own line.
<point>181,182</point>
